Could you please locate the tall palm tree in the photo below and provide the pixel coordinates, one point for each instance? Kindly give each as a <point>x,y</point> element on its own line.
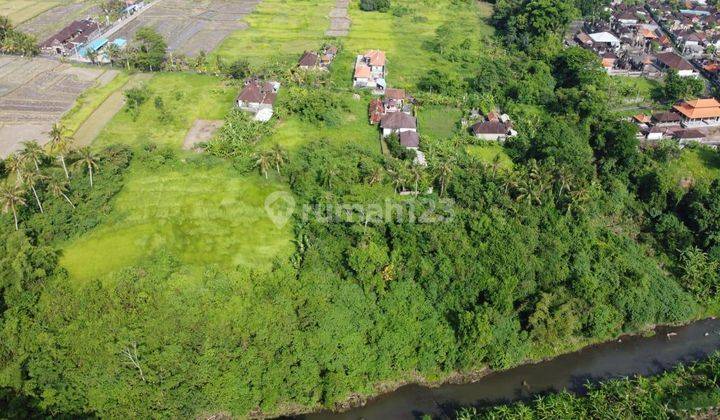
<point>58,187</point>
<point>32,179</point>
<point>279,157</point>
<point>113,53</point>
<point>376,176</point>
<point>445,172</point>
<point>15,165</point>
<point>87,159</point>
<point>60,144</point>
<point>263,162</point>
<point>32,153</point>
<point>11,197</point>
<point>416,174</point>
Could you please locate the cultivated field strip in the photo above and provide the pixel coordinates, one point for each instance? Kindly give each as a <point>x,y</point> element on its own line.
<point>34,94</point>
<point>192,26</point>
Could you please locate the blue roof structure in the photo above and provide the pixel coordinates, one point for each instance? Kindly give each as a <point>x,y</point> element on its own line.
<point>93,46</point>
<point>120,42</point>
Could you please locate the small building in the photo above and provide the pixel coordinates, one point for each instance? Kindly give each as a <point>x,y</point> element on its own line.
<point>665,119</point>
<point>259,98</point>
<point>690,135</point>
<point>394,100</point>
<point>309,60</point>
<point>397,122</point>
<point>70,38</point>
<point>493,130</point>
<point>376,110</point>
<point>370,71</point>
<point>699,112</point>
<point>670,60</point>
<point>410,140</point>
<point>605,39</point>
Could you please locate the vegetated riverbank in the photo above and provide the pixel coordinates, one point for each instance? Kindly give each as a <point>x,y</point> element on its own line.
<point>627,355</point>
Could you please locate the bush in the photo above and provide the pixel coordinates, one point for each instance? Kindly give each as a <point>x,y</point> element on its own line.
<point>375,5</point>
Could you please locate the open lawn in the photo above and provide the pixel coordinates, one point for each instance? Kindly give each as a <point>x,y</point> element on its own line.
<point>489,153</point>
<point>701,164</point>
<point>279,29</point>
<point>201,216</point>
<point>404,38</point>
<point>633,95</point>
<point>292,132</point>
<point>187,97</point>
<point>438,121</point>
<point>20,11</point>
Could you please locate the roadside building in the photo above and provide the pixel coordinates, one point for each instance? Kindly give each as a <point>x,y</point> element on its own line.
<point>69,39</point>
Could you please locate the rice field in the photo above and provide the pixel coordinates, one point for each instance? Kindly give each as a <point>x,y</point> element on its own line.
<point>19,11</point>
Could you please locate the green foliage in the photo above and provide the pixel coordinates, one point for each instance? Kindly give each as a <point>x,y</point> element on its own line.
<point>375,5</point>
<point>237,137</point>
<point>313,105</point>
<point>134,98</point>
<point>12,41</point>
<point>686,391</point>
<point>676,87</point>
<point>534,26</point>
<point>149,51</point>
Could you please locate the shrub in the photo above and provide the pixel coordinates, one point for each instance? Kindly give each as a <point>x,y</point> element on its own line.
<point>375,5</point>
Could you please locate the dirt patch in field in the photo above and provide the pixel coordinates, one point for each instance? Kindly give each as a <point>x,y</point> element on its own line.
<point>191,26</point>
<point>339,19</point>
<point>201,131</point>
<point>34,94</point>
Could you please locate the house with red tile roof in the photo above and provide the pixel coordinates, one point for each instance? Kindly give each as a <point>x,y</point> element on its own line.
<point>370,70</point>
<point>258,98</point>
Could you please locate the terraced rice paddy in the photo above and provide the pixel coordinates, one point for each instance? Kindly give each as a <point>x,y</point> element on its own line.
<point>34,94</point>
<point>45,18</point>
<point>192,26</point>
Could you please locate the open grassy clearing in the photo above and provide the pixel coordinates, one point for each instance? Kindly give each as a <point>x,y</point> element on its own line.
<point>488,153</point>
<point>701,164</point>
<point>438,121</point>
<point>20,11</point>
<point>279,30</point>
<point>200,215</point>
<point>186,96</point>
<point>633,95</point>
<point>292,132</point>
<point>404,38</point>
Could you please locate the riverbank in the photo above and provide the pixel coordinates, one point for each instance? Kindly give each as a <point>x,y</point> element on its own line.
<point>626,355</point>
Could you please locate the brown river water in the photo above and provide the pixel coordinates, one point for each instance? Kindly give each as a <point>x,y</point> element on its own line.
<point>631,355</point>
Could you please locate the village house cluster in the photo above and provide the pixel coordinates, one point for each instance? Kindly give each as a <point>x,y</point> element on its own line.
<point>694,28</point>
<point>632,42</point>
<point>687,121</point>
<point>492,127</point>
<point>312,60</point>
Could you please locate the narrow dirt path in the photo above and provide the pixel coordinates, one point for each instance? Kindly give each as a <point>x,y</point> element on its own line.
<point>93,125</point>
<point>339,19</point>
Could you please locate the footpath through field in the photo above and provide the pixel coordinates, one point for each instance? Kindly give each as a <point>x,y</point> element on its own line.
<point>339,19</point>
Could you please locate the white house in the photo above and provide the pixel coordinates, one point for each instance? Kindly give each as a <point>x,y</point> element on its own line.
<point>370,71</point>
<point>397,122</point>
<point>258,98</point>
<point>606,38</point>
<point>493,130</point>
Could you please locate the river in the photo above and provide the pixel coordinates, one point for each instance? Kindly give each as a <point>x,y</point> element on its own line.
<point>630,355</point>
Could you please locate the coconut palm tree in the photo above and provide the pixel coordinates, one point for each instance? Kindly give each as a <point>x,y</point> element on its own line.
<point>32,153</point>
<point>279,157</point>
<point>328,174</point>
<point>32,179</point>
<point>263,162</point>
<point>416,174</point>
<point>60,144</point>
<point>11,197</point>
<point>15,165</point>
<point>87,159</point>
<point>444,173</point>
<point>58,187</point>
<point>113,53</point>
<point>376,176</point>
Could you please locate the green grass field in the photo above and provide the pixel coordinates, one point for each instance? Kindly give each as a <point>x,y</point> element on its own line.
<point>201,216</point>
<point>20,11</point>
<point>354,128</point>
<point>279,29</point>
<point>90,100</point>
<point>403,38</point>
<point>438,121</point>
<point>699,164</point>
<point>187,96</point>
<point>487,153</point>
